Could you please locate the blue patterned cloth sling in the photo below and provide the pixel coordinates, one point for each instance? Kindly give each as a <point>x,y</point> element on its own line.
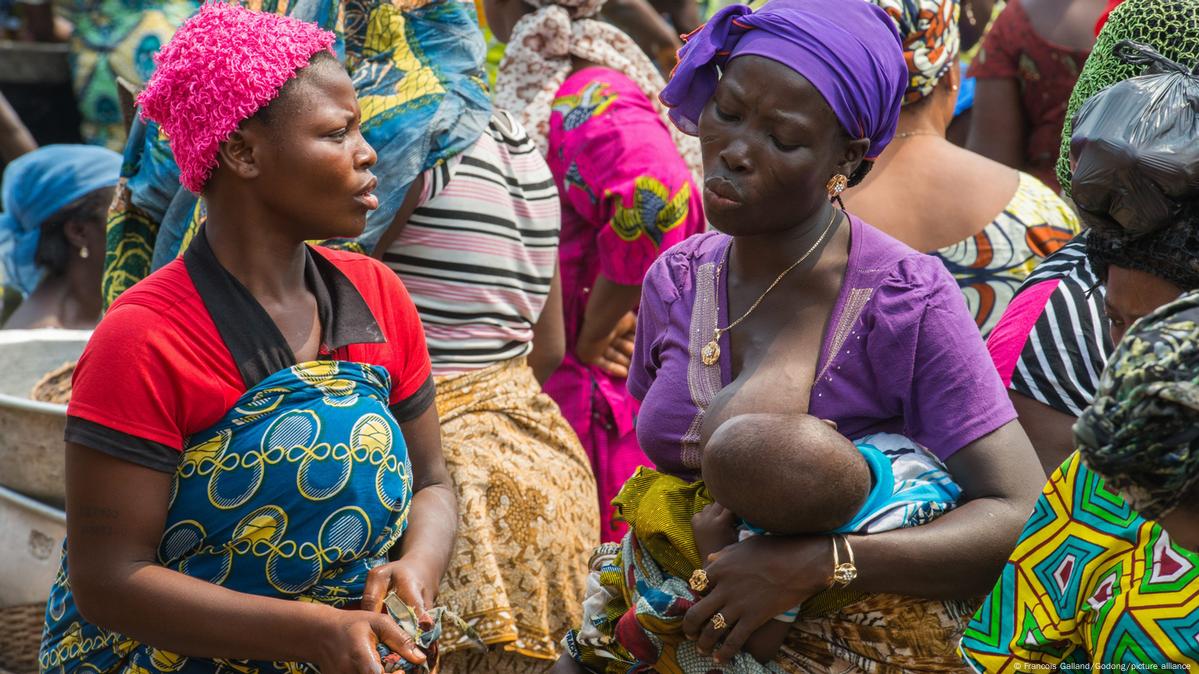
<point>297,493</point>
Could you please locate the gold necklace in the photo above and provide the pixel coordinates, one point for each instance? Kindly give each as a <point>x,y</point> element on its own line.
<point>710,354</point>
<point>909,134</point>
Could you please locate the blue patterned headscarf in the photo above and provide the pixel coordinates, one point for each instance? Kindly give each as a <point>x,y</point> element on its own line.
<point>38,185</point>
<point>418,74</point>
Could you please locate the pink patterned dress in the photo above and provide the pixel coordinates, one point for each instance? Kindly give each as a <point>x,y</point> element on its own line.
<point>626,196</point>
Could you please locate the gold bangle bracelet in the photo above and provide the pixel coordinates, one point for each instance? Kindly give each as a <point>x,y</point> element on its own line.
<point>832,579</point>
<point>843,574</point>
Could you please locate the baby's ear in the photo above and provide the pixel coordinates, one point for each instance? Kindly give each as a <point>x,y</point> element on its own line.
<point>830,422</point>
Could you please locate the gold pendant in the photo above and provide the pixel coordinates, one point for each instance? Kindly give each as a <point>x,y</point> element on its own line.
<point>710,353</point>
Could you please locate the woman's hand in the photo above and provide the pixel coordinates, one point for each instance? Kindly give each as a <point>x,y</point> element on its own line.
<point>612,352</point>
<point>619,354</point>
<point>115,515</point>
<point>15,138</point>
<point>605,338</point>
<point>753,581</point>
<point>413,581</point>
<point>348,639</point>
<point>616,349</point>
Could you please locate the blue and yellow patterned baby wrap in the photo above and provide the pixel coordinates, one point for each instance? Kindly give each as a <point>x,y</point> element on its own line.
<point>298,492</point>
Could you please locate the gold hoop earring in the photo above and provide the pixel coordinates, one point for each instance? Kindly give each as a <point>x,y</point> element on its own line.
<point>83,252</point>
<point>836,185</point>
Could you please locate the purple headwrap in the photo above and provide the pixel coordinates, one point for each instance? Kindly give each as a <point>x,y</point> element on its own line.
<point>849,50</point>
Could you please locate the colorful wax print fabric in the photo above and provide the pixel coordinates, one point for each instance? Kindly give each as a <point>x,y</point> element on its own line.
<point>418,72</point>
<point>627,195</point>
<point>991,265</point>
<point>1091,585</point>
<point>297,493</point>
<point>111,39</point>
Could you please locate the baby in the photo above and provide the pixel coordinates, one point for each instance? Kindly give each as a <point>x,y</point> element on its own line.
<point>773,474</point>
<point>795,474</point>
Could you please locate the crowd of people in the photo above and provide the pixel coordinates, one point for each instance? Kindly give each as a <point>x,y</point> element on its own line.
<point>852,336</point>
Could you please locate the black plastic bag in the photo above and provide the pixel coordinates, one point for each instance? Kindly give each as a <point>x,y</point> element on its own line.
<point>1136,147</point>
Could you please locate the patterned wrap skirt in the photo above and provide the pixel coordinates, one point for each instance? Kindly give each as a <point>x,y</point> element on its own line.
<point>527,519</point>
<point>631,631</point>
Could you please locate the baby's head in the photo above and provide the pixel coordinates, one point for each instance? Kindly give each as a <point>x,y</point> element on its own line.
<point>788,474</point>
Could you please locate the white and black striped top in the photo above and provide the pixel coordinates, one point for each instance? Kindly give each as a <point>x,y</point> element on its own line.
<point>478,254</point>
<point>1069,342</point>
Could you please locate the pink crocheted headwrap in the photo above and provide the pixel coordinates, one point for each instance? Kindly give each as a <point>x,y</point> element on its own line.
<point>222,66</point>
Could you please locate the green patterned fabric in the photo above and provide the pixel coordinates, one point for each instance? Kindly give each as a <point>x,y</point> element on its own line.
<point>1169,26</point>
<point>659,508</point>
<point>111,39</point>
<point>1092,587</point>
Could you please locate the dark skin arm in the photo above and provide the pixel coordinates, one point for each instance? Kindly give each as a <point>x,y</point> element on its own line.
<point>647,28</point>
<point>424,552</point>
<point>39,22</point>
<point>115,516</point>
<point>958,132</point>
<point>1000,484</point>
<point>400,221</point>
<point>15,139</point>
<point>549,334</point>
<point>998,129</point>
<point>684,14</point>
<point>1051,431</point>
<point>606,336</point>
<point>957,556</point>
<point>975,16</point>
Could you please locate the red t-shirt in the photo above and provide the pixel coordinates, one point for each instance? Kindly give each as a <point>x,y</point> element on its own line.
<point>159,367</point>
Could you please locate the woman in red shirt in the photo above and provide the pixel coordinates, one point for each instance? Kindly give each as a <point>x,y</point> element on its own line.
<point>251,441</point>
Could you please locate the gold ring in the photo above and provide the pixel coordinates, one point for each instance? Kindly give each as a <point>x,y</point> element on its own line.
<point>718,621</point>
<point>699,580</point>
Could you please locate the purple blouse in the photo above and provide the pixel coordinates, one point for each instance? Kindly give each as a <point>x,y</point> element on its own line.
<point>901,353</point>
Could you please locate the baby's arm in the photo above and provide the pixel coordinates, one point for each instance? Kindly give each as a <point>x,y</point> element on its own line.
<point>765,642</point>
<point>715,528</point>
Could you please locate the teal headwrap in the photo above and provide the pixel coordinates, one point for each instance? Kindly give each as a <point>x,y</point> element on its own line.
<point>38,185</point>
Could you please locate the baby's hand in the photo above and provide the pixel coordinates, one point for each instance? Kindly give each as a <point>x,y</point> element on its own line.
<point>715,528</point>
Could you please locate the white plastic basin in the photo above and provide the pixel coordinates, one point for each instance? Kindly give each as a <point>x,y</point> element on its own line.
<point>31,443</point>
<point>31,535</point>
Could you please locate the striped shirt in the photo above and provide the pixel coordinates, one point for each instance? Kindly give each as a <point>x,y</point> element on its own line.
<point>1053,341</point>
<point>478,254</point>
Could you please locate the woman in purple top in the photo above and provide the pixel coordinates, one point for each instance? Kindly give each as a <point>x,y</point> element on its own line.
<point>790,104</point>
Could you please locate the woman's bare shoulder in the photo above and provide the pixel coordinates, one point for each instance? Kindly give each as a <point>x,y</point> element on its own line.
<point>934,199</point>
<point>974,189</point>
